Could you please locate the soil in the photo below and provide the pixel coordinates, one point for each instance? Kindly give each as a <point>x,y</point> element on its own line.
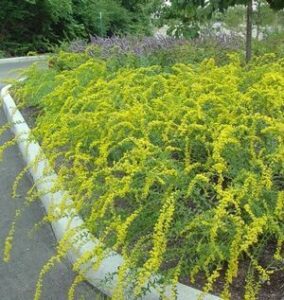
<point>273,290</point>
<point>30,114</point>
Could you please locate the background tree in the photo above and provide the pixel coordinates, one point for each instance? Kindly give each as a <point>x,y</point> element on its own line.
<point>274,4</point>
<point>185,18</point>
<point>36,25</point>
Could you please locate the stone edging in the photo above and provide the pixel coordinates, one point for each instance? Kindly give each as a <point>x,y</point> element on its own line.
<point>30,151</point>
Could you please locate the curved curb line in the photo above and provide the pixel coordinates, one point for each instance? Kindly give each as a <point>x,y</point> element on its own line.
<point>22,59</point>
<point>30,151</point>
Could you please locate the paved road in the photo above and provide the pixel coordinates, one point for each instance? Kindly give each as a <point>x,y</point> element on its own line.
<point>19,276</point>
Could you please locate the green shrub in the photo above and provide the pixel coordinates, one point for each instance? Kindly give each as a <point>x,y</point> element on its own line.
<point>272,43</point>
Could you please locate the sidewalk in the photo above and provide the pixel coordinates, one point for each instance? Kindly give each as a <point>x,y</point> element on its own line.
<point>29,254</point>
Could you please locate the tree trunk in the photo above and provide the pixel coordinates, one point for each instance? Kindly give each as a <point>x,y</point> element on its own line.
<point>258,20</point>
<point>249,31</point>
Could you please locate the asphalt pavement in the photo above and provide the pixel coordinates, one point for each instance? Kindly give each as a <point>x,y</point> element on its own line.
<point>29,252</point>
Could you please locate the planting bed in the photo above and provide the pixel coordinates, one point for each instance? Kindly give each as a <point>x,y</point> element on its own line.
<point>180,170</point>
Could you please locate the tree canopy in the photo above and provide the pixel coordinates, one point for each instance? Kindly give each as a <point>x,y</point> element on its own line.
<point>184,17</point>
<point>37,24</point>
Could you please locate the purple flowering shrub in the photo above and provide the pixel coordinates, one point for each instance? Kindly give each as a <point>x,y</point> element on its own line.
<point>158,50</point>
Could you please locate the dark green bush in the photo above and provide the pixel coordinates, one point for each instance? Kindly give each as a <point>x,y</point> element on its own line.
<point>37,25</point>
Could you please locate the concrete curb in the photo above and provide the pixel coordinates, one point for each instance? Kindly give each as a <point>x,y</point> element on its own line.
<point>84,241</point>
<point>23,59</point>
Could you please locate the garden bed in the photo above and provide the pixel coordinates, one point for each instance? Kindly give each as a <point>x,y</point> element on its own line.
<point>180,170</point>
<point>65,220</point>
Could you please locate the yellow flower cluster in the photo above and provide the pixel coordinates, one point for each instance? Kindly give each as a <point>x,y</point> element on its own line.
<point>186,162</point>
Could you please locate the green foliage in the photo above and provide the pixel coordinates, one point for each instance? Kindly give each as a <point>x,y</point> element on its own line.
<point>165,58</point>
<point>180,170</point>
<point>102,17</point>
<point>265,19</point>
<point>38,24</point>
<point>148,54</point>
<point>276,4</point>
<point>185,18</point>
<point>272,43</point>
<point>234,17</point>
